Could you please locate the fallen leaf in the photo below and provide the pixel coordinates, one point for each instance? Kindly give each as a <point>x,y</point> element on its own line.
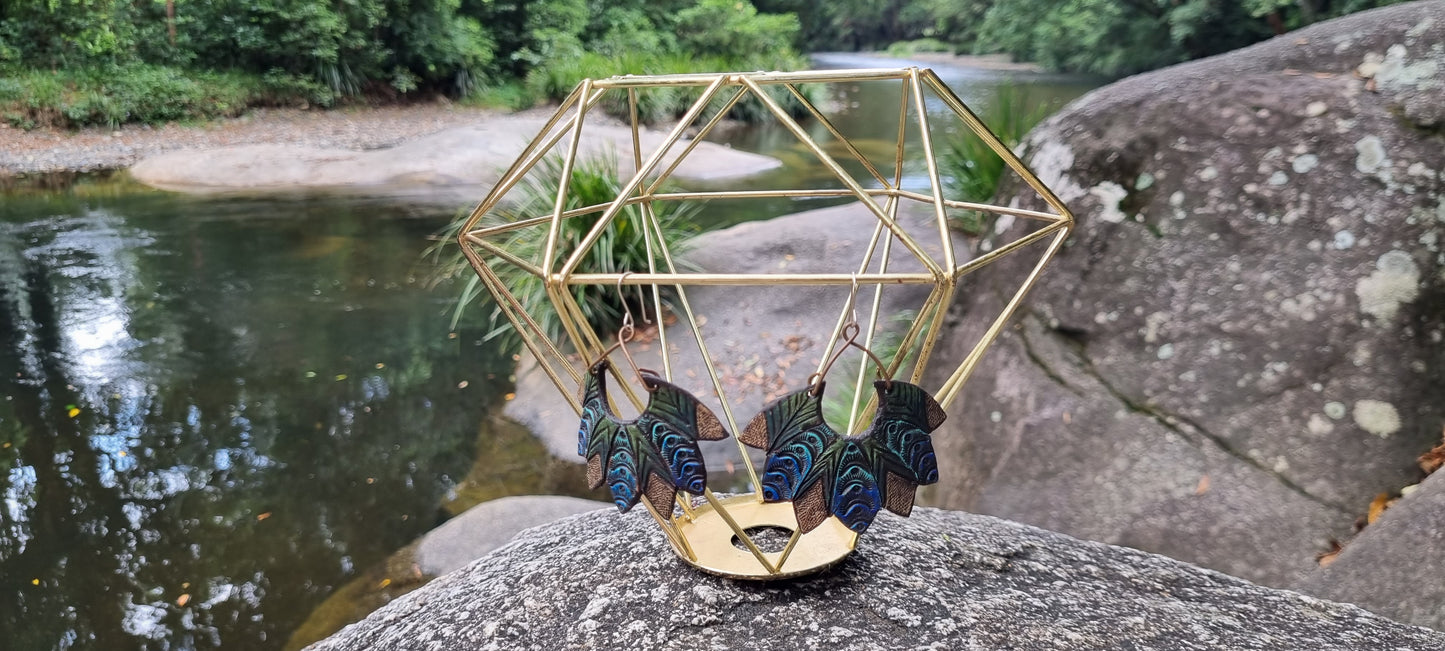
<point>1325,558</point>
<point>1377,507</point>
<point>263,516</point>
<point>384,583</point>
<point>1432,460</point>
<point>1203,486</point>
<point>183,600</point>
<point>73,412</point>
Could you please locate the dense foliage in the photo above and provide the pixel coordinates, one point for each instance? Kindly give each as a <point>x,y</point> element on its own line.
<point>76,62</point>
<point>314,51</point>
<point>1108,37</point>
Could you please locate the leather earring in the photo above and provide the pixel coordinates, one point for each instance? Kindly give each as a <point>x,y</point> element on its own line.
<point>827,474</point>
<point>653,456</point>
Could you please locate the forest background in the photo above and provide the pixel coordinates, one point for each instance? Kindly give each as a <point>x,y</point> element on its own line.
<point>71,63</point>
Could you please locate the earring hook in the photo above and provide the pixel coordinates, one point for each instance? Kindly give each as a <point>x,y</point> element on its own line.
<point>627,332</point>
<point>850,339</point>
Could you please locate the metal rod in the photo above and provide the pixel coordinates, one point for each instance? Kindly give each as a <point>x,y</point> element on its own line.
<point>673,535</point>
<point>894,278</point>
<point>506,303</point>
<point>823,120</point>
<point>717,387</point>
<point>898,358</point>
<point>788,550</point>
<point>954,383</point>
<point>531,154</point>
<point>846,178</point>
<point>945,240</point>
<point>988,258</point>
<point>636,181</point>
<point>733,79</point>
<point>949,98</point>
<point>854,416</point>
<point>549,253</point>
<point>693,142</point>
<point>506,255</point>
<point>496,193</point>
<point>738,531</point>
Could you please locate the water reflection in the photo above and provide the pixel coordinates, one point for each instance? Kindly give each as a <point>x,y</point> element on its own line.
<point>215,411</point>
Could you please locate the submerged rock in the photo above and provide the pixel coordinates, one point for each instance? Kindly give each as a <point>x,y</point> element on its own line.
<point>1241,344</point>
<point>940,579</point>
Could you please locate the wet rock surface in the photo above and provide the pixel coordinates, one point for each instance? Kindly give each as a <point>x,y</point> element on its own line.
<point>1241,344</point>
<point>937,580</point>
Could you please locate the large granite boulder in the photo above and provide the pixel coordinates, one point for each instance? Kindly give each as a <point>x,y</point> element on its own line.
<point>1394,567</point>
<point>941,579</point>
<point>1241,344</point>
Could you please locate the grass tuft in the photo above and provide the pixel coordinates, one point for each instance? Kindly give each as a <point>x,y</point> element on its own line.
<point>973,169</point>
<point>621,248</point>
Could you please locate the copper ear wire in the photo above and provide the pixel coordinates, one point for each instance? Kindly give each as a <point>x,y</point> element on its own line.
<point>850,339</point>
<point>627,332</point>
<point>849,334</point>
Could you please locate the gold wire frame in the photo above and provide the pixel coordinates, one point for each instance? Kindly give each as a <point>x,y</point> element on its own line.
<point>704,534</point>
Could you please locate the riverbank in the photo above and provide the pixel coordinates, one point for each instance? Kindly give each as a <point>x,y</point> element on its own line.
<point>40,151</point>
<point>990,62</point>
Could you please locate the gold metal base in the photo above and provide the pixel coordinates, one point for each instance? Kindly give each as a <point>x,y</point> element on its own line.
<point>710,538</point>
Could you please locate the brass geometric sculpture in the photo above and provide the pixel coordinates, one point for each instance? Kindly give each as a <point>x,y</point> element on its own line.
<point>715,533</point>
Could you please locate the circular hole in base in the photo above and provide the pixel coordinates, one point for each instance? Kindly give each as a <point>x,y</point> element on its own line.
<point>769,539</point>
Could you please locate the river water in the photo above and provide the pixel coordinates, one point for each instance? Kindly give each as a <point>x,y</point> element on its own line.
<point>214,410</point>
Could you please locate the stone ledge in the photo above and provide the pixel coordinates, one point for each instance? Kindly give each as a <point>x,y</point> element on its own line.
<point>941,579</point>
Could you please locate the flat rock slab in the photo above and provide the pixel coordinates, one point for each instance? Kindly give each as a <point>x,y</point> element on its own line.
<point>462,156</point>
<point>942,579</point>
<point>489,525</point>
<point>1396,566</point>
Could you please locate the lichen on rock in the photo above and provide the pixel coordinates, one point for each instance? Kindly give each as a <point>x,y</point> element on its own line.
<point>1290,244</point>
<point>939,579</point>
